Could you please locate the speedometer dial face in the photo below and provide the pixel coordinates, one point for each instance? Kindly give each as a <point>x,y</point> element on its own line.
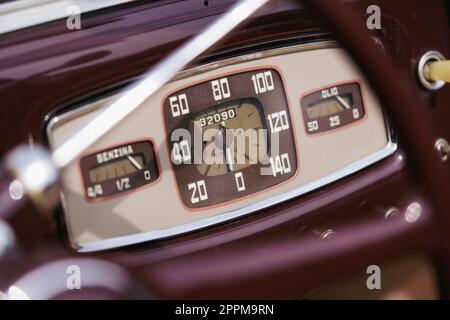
<point>230,137</point>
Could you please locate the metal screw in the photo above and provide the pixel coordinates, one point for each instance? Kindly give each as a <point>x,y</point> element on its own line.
<point>391,212</point>
<point>413,212</point>
<point>442,148</point>
<point>326,234</point>
<point>16,190</point>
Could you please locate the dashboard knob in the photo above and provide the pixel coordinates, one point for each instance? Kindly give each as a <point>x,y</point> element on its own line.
<point>439,71</point>
<point>433,70</point>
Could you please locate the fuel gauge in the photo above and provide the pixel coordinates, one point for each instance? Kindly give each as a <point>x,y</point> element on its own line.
<point>119,169</point>
<point>332,107</point>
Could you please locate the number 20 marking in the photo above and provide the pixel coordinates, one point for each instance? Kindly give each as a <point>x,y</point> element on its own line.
<point>198,190</point>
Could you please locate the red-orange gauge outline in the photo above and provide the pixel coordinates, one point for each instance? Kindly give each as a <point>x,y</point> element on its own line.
<point>123,193</point>
<point>335,84</point>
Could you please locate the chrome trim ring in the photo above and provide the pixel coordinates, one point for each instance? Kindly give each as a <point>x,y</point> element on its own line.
<point>422,70</point>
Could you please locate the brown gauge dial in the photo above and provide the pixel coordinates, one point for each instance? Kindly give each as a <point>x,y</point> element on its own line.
<point>119,169</point>
<point>230,137</point>
<point>333,107</point>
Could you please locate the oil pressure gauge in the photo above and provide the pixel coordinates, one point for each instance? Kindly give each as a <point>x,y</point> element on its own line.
<point>119,169</point>
<point>333,107</point>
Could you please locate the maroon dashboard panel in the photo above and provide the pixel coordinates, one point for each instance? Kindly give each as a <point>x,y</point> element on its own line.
<point>46,69</point>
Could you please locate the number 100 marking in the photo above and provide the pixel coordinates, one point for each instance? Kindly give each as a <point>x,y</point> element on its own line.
<point>263,82</point>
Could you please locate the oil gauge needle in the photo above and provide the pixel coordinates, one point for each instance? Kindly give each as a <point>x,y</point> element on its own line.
<point>343,102</point>
<point>134,162</point>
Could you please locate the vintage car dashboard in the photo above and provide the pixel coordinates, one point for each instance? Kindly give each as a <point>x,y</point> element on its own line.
<point>146,180</point>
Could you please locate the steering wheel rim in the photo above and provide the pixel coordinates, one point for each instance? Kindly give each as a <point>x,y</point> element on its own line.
<point>402,106</point>
<point>396,96</point>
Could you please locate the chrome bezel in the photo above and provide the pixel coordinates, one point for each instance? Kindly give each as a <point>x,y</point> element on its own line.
<point>422,70</point>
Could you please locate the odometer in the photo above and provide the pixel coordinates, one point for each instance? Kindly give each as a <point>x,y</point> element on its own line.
<point>230,137</point>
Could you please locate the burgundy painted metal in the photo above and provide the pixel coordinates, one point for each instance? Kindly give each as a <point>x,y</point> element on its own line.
<point>287,267</point>
<point>49,68</point>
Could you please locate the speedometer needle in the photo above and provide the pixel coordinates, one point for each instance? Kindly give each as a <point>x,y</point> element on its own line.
<point>228,159</point>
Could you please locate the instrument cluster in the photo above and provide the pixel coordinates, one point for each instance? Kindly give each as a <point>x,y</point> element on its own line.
<point>221,141</point>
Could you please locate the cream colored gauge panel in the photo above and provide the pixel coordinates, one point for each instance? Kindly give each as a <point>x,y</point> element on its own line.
<point>135,184</point>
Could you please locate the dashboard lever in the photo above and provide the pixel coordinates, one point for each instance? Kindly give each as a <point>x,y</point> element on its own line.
<point>433,70</point>
<point>439,71</point>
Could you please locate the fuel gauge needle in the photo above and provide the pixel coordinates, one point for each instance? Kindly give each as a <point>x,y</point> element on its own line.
<point>134,162</point>
<point>343,102</point>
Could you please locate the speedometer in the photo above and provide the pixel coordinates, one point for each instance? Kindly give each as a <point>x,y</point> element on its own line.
<point>230,137</point>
